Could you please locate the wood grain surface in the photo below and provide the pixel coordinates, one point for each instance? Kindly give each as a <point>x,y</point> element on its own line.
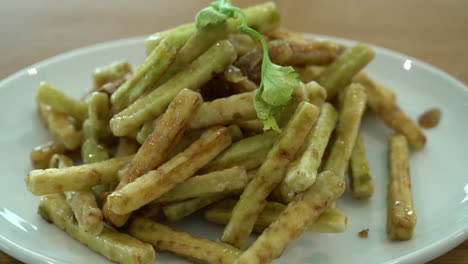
<point>435,31</point>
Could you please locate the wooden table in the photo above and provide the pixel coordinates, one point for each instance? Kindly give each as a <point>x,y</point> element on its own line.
<point>434,31</point>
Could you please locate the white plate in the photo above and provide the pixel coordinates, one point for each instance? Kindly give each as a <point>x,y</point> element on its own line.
<point>439,171</point>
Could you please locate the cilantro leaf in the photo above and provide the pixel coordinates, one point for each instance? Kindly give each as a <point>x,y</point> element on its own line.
<point>278,82</point>
<point>209,16</point>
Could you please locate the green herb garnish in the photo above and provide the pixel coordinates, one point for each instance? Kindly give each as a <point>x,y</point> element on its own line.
<point>277,82</point>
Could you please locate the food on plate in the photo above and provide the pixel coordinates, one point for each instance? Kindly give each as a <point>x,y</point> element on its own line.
<point>270,173</point>
<point>430,118</point>
<point>388,110</point>
<point>364,233</point>
<point>361,184</point>
<point>401,216</point>
<point>254,124</point>
<point>330,221</point>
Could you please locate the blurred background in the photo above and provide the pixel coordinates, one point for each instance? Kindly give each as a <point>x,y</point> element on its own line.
<point>435,31</point>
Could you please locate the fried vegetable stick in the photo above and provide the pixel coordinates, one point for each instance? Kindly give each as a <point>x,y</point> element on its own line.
<point>302,172</point>
<point>224,111</point>
<point>157,146</point>
<point>235,132</point>
<point>238,82</point>
<point>127,146</point>
<point>118,247</point>
<point>386,108</point>
<point>199,42</point>
<point>214,60</point>
<point>95,128</point>
<point>263,18</point>
<point>60,161</point>
<point>347,129</point>
<point>147,74</point>
<point>305,209</point>
<point>255,125</point>
<point>248,153</point>
<point>83,204</point>
<point>360,180</point>
<point>146,129</point>
<point>340,73</point>
<point>86,211</point>
<point>253,199</point>
<point>311,92</point>
<point>365,80</point>
<point>152,210</point>
<point>315,93</point>
<point>155,183</point>
<point>99,114</point>
<point>309,72</point>
<point>40,155</point>
<point>165,135</point>
<point>176,211</point>
<point>242,42</point>
<point>313,52</point>
<point>92,151</point>
<point>48,95</point>
<point>303,52</point>
<point>76,178</point>
<point>224,181</point>
<point>116,71</point>
<point>196,249</point>
<point>60,127</point>
<point>401,217</point>
<point>330,221</point>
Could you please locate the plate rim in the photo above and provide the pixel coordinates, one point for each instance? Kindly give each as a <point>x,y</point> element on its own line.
<point>427,253</point>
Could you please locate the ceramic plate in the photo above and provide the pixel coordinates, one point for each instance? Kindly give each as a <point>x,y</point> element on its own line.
<point>438,172</point>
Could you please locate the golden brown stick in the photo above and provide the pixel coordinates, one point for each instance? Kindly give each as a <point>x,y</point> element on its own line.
<point>199,250</point>
<point>176,211</point>
<point>113,245</point>
<point>217,182</point>
<point>235,132</point>
<point>249,153</point>
<point>60,102</point>
<point>224,111</point>
<point>347,129</point>
<point>253,199</point>
<point>40,155</point>
<point>60,127</point>
<point>254,126</point>
<point>386,108</point>
<point>365,80</point>
<point>340,73</point>
<point>360,180</point>
<point>242,42</point>
<point>83,204</point>
<point>330,221</point>
<point>302,172</point>
<point>401,217</point>
<point>116,71</point>
<point>305,209</point>
<point>76,178</point>
<point>155,150</point>
<point>309,72</point>
<point>127,146</point>
<point>155,183</point>
<point>303,52</point>
<point>165,135</point>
